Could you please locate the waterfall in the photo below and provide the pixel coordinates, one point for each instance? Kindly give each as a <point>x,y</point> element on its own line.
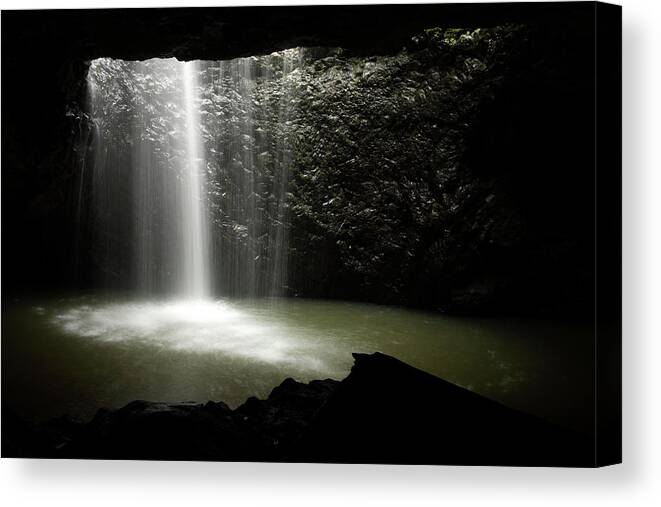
<point>195,255</point>
<point>190,179</point>
<point>252,172</point>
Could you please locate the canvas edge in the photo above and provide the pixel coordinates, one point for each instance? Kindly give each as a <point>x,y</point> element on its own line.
<point>608,234</point>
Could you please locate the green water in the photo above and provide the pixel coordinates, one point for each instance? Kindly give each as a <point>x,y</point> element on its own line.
<point>76,355</point>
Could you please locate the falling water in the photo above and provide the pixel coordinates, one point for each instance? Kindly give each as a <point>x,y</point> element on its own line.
<point>189,183</point>
<point>195,258</point>
<point>253,171</point>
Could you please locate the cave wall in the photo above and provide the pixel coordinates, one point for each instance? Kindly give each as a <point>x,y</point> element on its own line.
<point>453,175</point>
<point>45,55</point>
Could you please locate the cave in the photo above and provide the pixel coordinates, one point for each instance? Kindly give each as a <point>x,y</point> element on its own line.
<point>258,192</point>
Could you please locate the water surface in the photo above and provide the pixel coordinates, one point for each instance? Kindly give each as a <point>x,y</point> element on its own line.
<point>76,355</point>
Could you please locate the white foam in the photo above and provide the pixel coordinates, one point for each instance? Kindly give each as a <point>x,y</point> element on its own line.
<point>192,326</point>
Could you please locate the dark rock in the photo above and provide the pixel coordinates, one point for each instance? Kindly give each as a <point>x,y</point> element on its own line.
<point>61,431</point>
<point>20,439</point>
<point>150,430</point>
<point>282,418</point>
<point>257,430</point>
<point>385,411</point>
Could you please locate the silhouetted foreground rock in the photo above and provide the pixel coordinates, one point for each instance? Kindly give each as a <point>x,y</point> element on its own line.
<point>385,411</point>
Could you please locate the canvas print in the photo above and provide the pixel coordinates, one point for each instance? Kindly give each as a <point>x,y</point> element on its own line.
<point>344,234</point>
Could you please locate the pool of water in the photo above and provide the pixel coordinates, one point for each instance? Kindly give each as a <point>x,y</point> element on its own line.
<point>74,355</point>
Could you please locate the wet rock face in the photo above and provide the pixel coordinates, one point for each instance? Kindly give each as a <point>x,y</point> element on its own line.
<point>385,411</point>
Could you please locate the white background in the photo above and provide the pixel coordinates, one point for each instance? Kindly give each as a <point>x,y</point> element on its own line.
<point>636,482</point>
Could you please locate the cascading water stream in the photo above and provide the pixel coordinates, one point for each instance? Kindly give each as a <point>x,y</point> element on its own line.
<point>184,199</point>
<point>195,255</point>
<point>189,180</point>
